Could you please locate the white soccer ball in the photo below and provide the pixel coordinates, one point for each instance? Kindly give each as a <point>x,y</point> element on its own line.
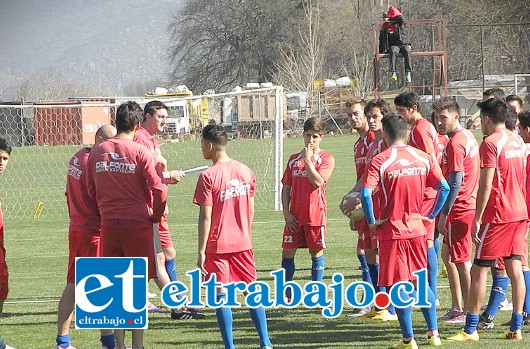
<point>357,213</point>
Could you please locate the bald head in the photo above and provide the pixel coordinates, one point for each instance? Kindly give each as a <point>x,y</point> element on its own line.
<point>105,132</point>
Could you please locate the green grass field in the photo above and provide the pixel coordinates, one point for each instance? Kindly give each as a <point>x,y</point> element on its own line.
<point>38,251</point>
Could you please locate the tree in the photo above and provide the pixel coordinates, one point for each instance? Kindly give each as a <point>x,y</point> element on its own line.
<point>51,86</point>
<point>221,43</point>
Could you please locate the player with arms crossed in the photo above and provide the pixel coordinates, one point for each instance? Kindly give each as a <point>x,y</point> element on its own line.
<point>500,223</point>
<point>304,202</point>
<point>402,173</point>
<point>225,194</point>
<point>5,152</point>
<point>83,237</point>
<point>123,178</point>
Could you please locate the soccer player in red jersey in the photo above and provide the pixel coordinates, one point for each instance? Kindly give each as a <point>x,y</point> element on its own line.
<point>5,152</point>
<point>304,202</point>
<point>402,173</point>
<point>500,224</point>
<point>83,237</point>
<point>357,119</point>
<point>155,114</point>
<point>122,177</point>
<point>423,136</point>
<point>225,194</point>
<point>461,169</point>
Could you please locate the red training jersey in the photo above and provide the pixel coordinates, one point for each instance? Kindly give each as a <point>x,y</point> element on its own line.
<point>442,143</point>
<point>504,152</point>
<point>227,187</point>
<point>360,152</point>
<point>82,209</point>
<point>403,173</point>
<point>308,204</point>
<point>376,148</point>
<point>461,155</point>
<point>123,179</point>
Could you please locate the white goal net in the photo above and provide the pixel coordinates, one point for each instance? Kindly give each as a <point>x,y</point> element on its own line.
<point>44,137</point>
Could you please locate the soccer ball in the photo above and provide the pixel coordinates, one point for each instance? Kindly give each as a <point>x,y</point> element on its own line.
<point>357,213</point>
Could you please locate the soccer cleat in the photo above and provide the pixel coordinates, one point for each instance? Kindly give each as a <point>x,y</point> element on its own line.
<point>151,308</point>
<point>462,336</point>
<point>408,77</point>
<point>151,295</point>
<point>3,345</point>
<point>506,306</point>
<point>515,335</point>
<point>186,313</point>
<point>435,341</point>
<point>410,345</point>
<point>458,319</point>
<point>450,314</point>
<point>485,325</point>
<point>357,312</point>
<point>370,314</point>
<point>393,77</point>
<point>384,315</point>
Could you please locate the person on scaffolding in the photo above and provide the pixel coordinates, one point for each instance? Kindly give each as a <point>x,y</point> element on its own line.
<point>394,40</point>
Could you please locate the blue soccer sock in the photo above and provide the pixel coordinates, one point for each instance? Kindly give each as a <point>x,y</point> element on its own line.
<point>171,269</point>
<point>391,309</point>
<point>364,268</point>
<point>430,313</point>
<point>108,341</point>
<point>373,269</point>
<point>405,317</point>
<point>497,295</point>
<point>317,268</point>
<point>225,321</point>
<point>288,265</point>
<point>471,323</point>
<point>526,305</point>
<point>259,318</point>
<point>172,273</point>
<point>432,270</point>
<point>517,322</point>
<point>63,341</point>
<point>436,242</point>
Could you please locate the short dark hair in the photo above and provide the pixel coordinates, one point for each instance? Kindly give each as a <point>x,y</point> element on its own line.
<point>395,126</point>
<point>514,98</point>
<point>524,119</point>
<point>355,100</point>
<point>407,100</point>
<point>151,107</point>
<point>445,103</point>
<point>511,117</point>
<point>215,134</point>
<point>495,92</point>
<point>377,103</point>
<point>4,146</point>
<point>315,124</point>
<point>128,115</point>
<point>495,109</point>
